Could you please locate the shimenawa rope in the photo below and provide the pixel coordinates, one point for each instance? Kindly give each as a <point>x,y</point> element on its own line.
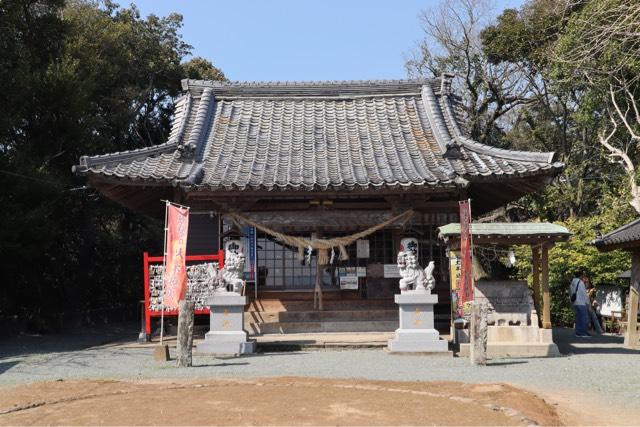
<point>322,245</point>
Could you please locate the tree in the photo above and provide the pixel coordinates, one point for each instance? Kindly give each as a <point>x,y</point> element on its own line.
<point>93,78</point>
<point>552,119</point>
<point>601,45</point>
<point>199,68</point>
<point>29,41</point>
<point>578,66</point>
<point>452,44</point>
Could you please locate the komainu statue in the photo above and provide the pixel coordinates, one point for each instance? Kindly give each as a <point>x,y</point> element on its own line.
<point>231,274</point>
<point>413,276</point>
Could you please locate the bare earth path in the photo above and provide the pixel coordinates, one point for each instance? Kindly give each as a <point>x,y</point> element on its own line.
<point>271,401</point>
<point>596,382</point>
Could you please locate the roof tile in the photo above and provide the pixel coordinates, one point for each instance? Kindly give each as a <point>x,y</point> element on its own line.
<point>315,135</point>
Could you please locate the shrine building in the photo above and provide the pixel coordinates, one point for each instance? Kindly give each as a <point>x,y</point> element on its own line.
<point>329,159</point>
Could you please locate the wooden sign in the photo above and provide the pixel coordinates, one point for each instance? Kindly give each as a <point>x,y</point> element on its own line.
<point>348,278</point>
<point>391,271</point>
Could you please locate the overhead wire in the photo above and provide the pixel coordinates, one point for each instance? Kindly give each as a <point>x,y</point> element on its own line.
<point>60,185</point>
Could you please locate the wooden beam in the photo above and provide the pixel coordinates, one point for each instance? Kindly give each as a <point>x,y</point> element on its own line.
<point>328,193</point>
<point>546,295</point>
<point>277,205</point>
<point>535,270</point>
<point>631,335</point>
<point>317,290</point>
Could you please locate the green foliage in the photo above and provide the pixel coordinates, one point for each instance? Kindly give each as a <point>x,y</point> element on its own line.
<point>565,112</point>
<point>580,255</point>
<point>28,43</point>
<point>199,68</point>
<point>81,78</point>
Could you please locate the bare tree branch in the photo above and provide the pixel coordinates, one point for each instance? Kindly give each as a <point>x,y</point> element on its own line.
<point>624,157</point>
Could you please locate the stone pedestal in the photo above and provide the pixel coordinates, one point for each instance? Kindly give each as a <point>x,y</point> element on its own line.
<point>416,333</point>
<point>226,334</point>
<point>513,329</point>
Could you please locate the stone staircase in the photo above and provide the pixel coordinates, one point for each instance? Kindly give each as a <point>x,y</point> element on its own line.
<point>293,313</point>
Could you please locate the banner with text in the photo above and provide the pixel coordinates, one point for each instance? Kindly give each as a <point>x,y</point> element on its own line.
<point>175,277</point>
<point>465,287</point>
<point>250,253</point>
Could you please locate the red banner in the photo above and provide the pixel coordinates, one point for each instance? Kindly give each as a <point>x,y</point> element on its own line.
<point>466,267</point>
<point>175,277</point>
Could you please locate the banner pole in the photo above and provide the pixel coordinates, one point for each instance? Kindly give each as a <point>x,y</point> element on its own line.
<point>471,285</point>
<point>164,271</point>
<point>175,204</point>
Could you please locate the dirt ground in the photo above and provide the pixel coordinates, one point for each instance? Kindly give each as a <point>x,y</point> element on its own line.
<point>271,401</point>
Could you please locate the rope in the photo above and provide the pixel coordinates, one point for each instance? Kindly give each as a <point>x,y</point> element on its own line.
<point>322,245</point>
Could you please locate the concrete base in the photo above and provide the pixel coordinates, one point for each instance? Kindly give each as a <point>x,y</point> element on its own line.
<point>416,333</point>
<point>232,344</point>
<point>513,341</point>
<point>515,349</point>
<point>143,338</point>
<point>426,341</point>
<point>226,335</point>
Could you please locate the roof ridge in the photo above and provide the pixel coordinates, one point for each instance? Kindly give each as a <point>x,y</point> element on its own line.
<point>310,89</point>
<point>436,121</point>
<point>186,83</point>
<point>520,155</point>
<point>119,156</point>
<point>621,228</point>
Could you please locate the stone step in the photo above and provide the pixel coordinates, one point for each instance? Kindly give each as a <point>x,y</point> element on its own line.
<point>325,326</point>
<point>332,326</point>
<point>272,305</point>
<point>318,341</point>
<point>320,316</point>
<point>304,295</point>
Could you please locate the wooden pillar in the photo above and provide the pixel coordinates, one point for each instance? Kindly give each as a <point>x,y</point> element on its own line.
<point>535,271</point>
<point>631,335</point>
<point>317,289</point>
<point>546,295</point>
<point>396,237</point>
<point>185,333</point>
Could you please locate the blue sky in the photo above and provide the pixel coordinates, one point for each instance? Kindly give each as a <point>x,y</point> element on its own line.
<point>302,39</point>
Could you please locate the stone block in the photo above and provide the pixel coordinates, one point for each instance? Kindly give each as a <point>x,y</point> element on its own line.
<point>416,333</point>
<point>226,335</point>
<point>509,301</point>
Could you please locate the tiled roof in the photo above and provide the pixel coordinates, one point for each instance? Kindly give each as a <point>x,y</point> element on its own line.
<point>626,236</point>
<point>314,136</point>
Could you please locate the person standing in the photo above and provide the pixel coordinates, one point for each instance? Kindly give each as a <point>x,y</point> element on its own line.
<point>580,301</point>
<point>594,315</point>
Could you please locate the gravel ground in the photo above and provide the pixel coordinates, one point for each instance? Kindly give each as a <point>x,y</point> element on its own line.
<point>600,370</point>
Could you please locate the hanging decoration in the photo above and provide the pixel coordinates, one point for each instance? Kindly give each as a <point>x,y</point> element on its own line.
<point>323,246</point>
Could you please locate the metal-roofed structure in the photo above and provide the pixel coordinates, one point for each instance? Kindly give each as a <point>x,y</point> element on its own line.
<point>359,137</point>
<point>541,236</point>
<point>508,233</point>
